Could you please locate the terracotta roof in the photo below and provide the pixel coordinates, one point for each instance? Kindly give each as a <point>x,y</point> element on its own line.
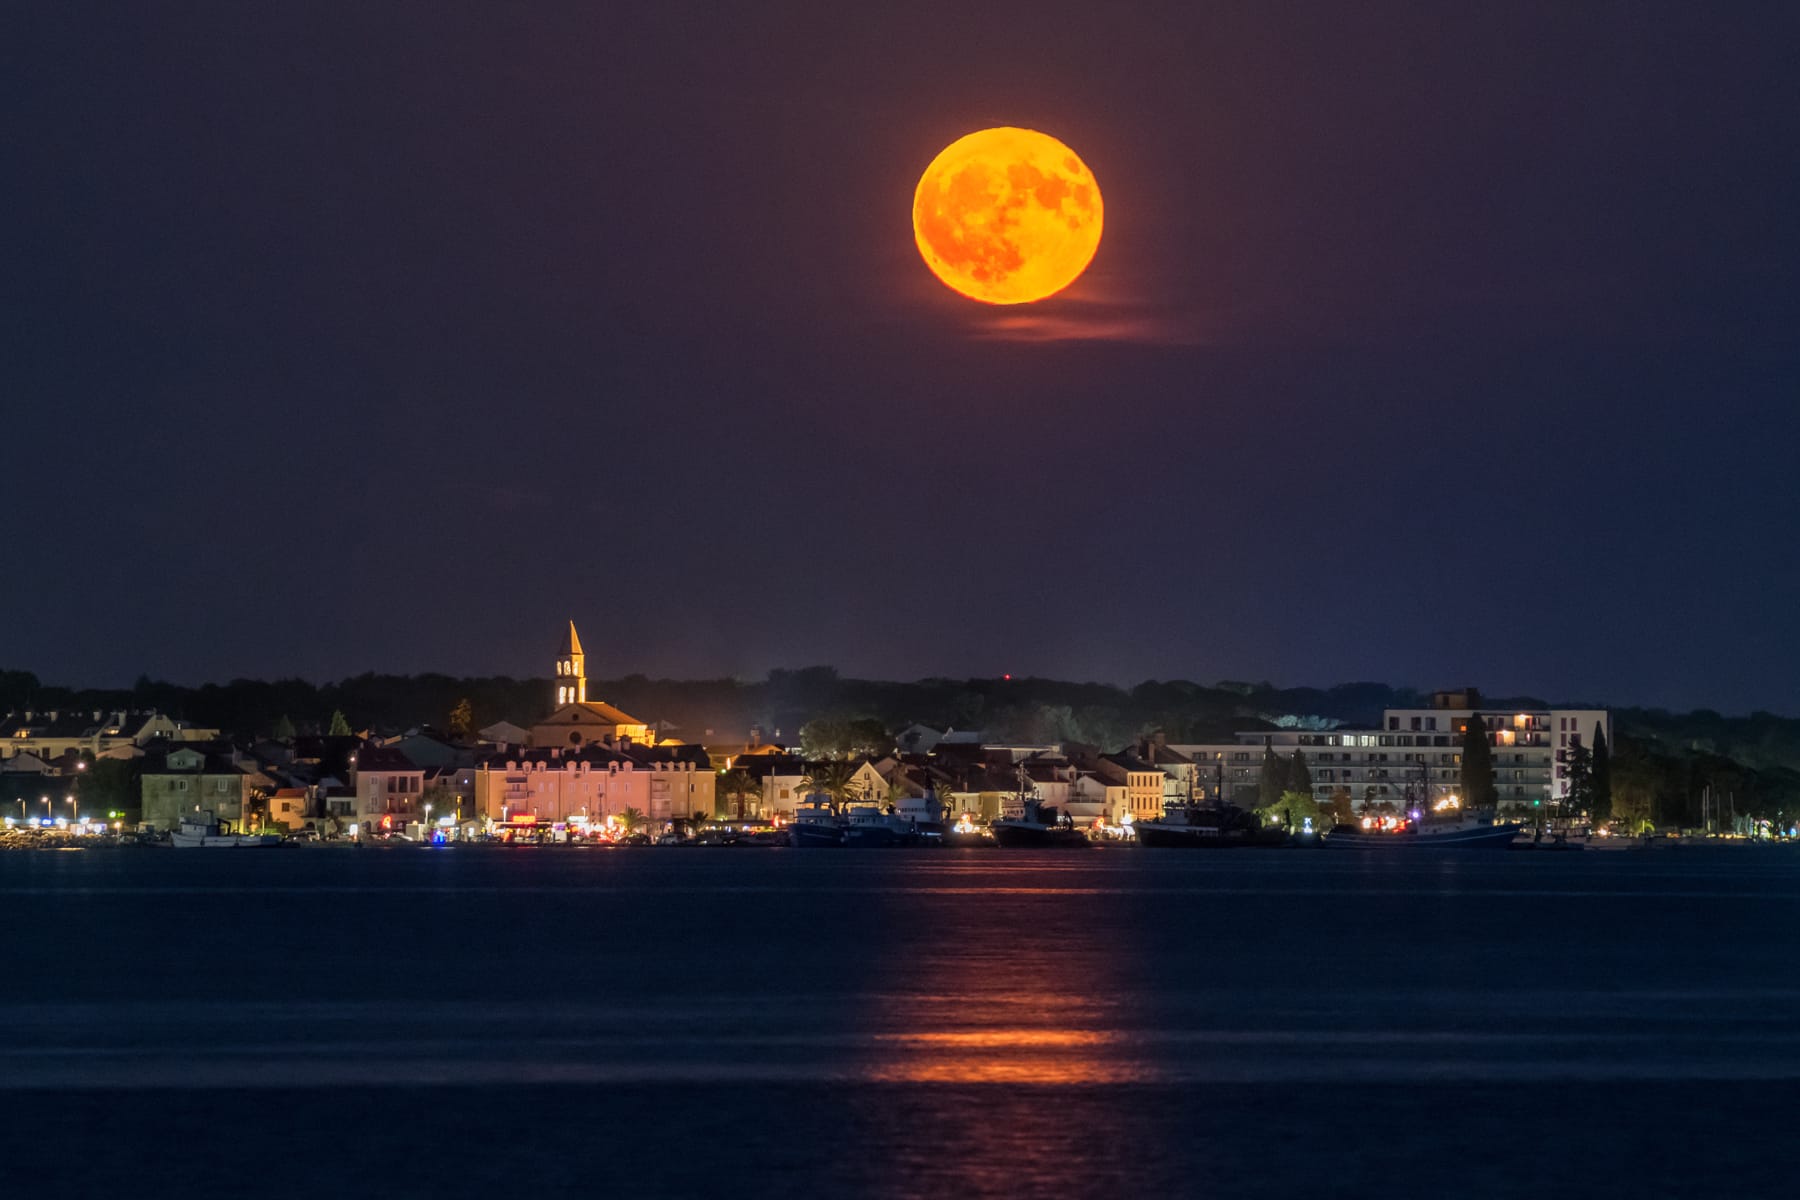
<point>604,714</point>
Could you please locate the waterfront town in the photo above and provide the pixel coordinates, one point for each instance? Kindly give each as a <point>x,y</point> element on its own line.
<point>585,769</point>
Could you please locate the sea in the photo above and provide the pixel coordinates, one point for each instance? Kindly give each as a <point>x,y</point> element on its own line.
<point>748,1022</point>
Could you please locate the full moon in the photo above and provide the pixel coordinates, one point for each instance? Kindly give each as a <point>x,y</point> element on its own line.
<point>1007,216</point>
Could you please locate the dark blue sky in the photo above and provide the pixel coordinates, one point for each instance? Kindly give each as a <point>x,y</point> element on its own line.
<point>1424,345</point>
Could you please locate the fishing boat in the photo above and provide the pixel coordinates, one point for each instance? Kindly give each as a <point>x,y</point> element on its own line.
<point>1199,827</point>
<point>926,814</point>
<point>816,825</point>
<point>965,833</point>
<point>870,826</point>
<point>1040,828</point>
<point>1465,832</point>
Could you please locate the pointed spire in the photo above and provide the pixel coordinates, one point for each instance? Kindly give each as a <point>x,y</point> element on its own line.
<point>571,671</point>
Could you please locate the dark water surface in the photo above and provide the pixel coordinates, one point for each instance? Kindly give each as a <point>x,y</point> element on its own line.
<point>768,1022</point>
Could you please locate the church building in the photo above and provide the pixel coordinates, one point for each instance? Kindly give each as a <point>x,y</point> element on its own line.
<point>576,721</point>
<point>588,760</point>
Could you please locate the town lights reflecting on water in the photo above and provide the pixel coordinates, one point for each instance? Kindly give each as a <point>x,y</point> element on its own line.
<point>1013,1054</point>
<point>1007,1001</point>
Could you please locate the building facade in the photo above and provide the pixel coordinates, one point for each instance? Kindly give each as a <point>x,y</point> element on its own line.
<point>99,734</point>
<point>548,786</point>
<point>1413,751</point>
<point>187,780</point>
<point>389,788</point>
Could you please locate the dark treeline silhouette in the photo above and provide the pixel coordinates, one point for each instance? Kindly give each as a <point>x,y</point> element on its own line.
<point>1038,709</point>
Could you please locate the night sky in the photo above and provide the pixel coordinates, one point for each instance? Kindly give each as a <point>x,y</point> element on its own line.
<point>1425,345</point>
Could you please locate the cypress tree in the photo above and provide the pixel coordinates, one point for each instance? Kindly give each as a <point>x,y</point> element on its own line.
<point>1478,791</point>
<point>1274,777</point>
<point>1299,775</point>
<point>339,726</point>
<point>1580,775</point>
<point>1601,805</point>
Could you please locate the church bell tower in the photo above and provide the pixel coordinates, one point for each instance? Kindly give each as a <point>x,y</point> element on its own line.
<point>571,671</point>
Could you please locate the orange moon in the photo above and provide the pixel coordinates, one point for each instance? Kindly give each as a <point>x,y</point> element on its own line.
<point>1007,216</point>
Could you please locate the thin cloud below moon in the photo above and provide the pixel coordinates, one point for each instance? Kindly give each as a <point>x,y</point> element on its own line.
<point>1095,321</point>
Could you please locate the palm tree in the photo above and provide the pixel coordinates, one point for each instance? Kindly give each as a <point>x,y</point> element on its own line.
<point>830,780</point>
<point>738,783</point>
<point>631,818</point>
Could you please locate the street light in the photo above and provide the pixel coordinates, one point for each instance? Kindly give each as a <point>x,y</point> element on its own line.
<point>425,829</point>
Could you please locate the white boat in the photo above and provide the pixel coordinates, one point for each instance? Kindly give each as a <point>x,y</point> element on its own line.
<point>201,830</point>
<point>816,825</point>
<point>870,826</point>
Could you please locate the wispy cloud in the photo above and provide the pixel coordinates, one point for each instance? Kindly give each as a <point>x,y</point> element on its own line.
<point>1095,320</point>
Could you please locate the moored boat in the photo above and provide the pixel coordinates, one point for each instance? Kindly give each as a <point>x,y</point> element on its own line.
<point>1461,833</point>
<point>965,834</point>
<point>869,826</point>
<point>1202,827</point>
<point>1041,828</point>
<point>200,830</point>
<point>816,825</point>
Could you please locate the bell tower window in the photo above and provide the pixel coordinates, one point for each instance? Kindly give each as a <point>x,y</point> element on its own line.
<point>571,671</point>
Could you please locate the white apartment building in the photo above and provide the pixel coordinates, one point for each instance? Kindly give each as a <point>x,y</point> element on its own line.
<point>1416,747</point>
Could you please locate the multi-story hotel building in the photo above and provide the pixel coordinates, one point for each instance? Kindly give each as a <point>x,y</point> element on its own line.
<point>547,786</point>
<point>1416,748</point>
